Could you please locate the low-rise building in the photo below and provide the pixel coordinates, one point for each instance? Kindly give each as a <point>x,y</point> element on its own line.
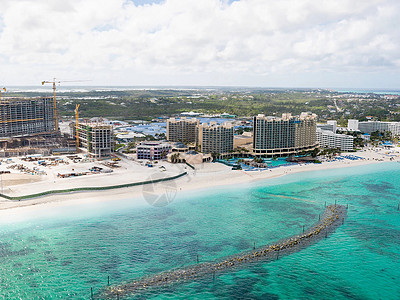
<point>191,157</point>
<point>153,150</point>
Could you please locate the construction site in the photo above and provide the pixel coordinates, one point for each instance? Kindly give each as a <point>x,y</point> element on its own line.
<point>31,126</point>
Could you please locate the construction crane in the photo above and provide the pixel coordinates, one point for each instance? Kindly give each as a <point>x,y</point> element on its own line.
<point>54,82</point>
<point>2,89</point>
<point>54,100</point>
<point>77,126</point>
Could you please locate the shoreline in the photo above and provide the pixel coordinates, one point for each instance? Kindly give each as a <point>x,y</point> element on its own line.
<point>205,176</point>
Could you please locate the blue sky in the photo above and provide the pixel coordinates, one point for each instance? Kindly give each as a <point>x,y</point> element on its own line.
<point>287,43</point>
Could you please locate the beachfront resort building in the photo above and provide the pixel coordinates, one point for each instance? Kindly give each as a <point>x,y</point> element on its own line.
<point>329,139</point>
<point>182,130</point>
<point>26,117</point>
<point>372,126</point>
<point>330,125</point>
<point>352,125</point>
<point>153,150</point>
<point>288,135</point>
<point>214,138</point>
<point>96,138</point>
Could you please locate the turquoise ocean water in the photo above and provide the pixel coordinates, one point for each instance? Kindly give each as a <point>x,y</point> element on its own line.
<point>61,253</point>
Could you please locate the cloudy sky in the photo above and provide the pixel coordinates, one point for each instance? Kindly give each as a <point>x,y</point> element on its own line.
<point>269,43</point>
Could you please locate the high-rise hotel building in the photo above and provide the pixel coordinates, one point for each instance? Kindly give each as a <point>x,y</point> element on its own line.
<point>284,136</point>
<point>216,138</point>
<point>182,130</point>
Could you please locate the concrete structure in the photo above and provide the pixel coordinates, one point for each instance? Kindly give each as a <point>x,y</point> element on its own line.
<point>244,140</point>
<point>372,126</point>
<point>182,130</point>
<point>26,117</point>
<point>284,136</point>
<point>191,157</point>
<point>329,139</point>
<point>153,150</point>
<point>96,138</point>
<point>215,138</point>
<point>352,125</point>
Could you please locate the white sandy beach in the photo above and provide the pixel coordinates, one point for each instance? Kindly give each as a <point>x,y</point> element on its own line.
<point>205,176</point>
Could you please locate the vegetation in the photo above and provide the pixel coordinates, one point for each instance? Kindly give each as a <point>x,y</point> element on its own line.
<point>150,104</point>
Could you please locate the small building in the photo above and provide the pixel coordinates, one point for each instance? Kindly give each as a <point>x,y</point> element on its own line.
<point>366,137</point>
<point>179,147</point>
<point>191,157</point>
<point>152,150</point>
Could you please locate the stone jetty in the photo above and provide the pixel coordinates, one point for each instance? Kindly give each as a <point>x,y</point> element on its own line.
<point>332,218</point>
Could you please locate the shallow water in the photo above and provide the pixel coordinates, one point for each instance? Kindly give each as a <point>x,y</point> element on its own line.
<point>63,253</point>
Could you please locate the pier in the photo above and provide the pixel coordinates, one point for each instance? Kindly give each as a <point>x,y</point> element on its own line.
<point>332,218</point>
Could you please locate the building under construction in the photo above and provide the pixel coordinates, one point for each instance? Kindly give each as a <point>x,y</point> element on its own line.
<point>26,117</point>
<point>96,138</point>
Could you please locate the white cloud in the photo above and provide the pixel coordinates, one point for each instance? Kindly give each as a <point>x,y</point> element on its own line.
<point>247,42</point>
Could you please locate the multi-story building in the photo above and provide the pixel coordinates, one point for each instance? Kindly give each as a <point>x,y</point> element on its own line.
<point>182,130</point>
<point>330,125</point>
<point>153,150</point>
<point>329,139</point>
<point>372,126</point>
<point>214,138</point>
<point>352,125</point>
<point>96,138</point>
<point>26,117</point>
<point>284,136</point>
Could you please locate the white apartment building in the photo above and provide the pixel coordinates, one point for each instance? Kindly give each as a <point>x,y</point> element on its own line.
<point>352,125</point>
<point>329,139</point>
<point>330,125</point>
<point>371,126</point>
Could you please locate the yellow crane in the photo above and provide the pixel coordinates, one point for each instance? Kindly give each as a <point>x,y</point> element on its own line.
<point>2,89</point>
<point>54,82</point>
<point>77,126</point>
<point>54,100</point>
